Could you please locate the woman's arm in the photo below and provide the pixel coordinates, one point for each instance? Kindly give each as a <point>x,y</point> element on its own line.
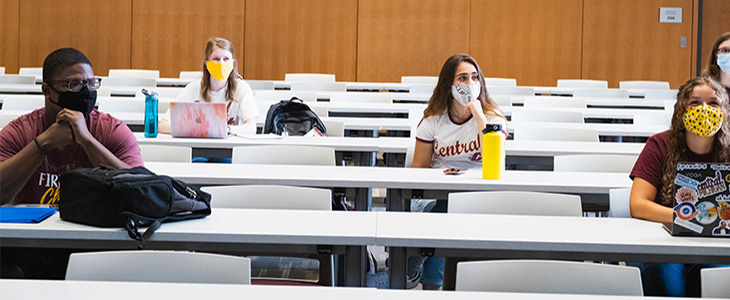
<point>422,155</point>
<point>642,205</point>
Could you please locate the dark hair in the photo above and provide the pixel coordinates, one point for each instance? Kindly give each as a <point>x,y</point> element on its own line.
<point>713,70</point>
<point>61,59</point>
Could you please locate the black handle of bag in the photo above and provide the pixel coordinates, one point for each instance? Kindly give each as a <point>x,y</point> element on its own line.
<point>133,230</point>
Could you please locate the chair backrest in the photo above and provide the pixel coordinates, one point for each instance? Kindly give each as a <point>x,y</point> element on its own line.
<point>601,93</point>
<point>104,91</point>
<point>2,70</point>
<point>540,102</point>
<point>655,118</point>
<point>582,83</point>
<point>17,79</point>
<point>276,96</point>
<point>318,86</point>
<point>322,111</point>
<point>129,81</point>
<point>544,116</point>
<point>420,79</point>
<point>159,266</point>
<point>164,153</point>
<point>713,282</point>
<point>410,151</point>
<point>191,74</point>
<point>24,103</point>
<point>334,128</point>
<point>611,163</point>
<point>134,73</point>
<point>270,197</point>
<point>31,71</point>
<point>421,88</point>
<point>618,203</point>
<point>515,203</point>
<point>555,134</point>
<point>643,84</point>
<point>511,90</point>
<point>112,105</point>
<point>284,155</point>
<point>660,94</point>
<point>493,81</point>
<point>502,100</point>
<point>360,97</point>
<point>309,77</point>
<point>261,85</point>
<point>545,276</point>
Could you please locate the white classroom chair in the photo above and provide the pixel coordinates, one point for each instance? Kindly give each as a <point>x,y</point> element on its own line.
<point>546,276</point>
<point>660,94</point>
<point>261,85</point>
<point>555,134</point>
<point>2,70</point>
<point>543,101</point>
<point>502,100</point>
<point>582,83</point>
<point>150,83</point>
<point>322,111</point>
<point>419,79</point>
<point>285,155</point>
<point>104,91</point>
<point>547,116</point>
<point>190,74</point>
<point>360,97</point>
<point>643,84</point>
<point>17,79</point>
<point>600,93</point>
<point>669,105</point>
<point>610,163</point>
<point>276,96</point>
<point>37,72</point>
<point>713,282</point>
<point>318,86</point>
<point>309,77</point>
<point>421,88</point>
<point>511,90</point>
<point>159,266</point>
<point>24,103</point>
<point>494,81</point>
<point>134,73</point>
<point>618,203</point>
<point>515,203</point>
<point>334,128</point>
<point>655,118</point>
<point>165,153</point>
<point>269,197</point>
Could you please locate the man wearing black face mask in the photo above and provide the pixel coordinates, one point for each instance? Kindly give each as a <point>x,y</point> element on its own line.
<point>66,134</point>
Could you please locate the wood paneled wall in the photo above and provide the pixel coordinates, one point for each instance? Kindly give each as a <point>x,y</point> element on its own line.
<point>170,35</point>
<point>102,29</point>
<point>715,21</point>
<point>535,41</point>
<point>623,40</point>
<point>409,37</point>
<point>9,15</point>
<point>300,36</point>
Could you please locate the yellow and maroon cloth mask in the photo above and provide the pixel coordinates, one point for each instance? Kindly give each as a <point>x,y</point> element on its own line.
<point>219,70</point>
<point>703,120</point>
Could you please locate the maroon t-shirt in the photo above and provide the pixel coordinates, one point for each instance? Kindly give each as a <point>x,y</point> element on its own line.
<point>650,164</point>
<point>43,185</point>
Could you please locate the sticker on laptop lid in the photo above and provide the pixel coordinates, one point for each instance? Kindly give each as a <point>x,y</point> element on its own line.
<point>686,181</point>
<point>689,225</point>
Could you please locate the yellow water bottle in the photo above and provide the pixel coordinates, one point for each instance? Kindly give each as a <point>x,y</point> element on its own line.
<point>492,151</point>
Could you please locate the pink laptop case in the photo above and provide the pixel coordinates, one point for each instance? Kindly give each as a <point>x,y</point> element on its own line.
<point>198,120</point>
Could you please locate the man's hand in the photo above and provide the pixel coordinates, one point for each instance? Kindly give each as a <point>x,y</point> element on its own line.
<point>77,122</point>
<point>56,136</point>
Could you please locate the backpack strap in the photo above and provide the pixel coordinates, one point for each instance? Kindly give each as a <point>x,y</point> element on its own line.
<point>132,227</point>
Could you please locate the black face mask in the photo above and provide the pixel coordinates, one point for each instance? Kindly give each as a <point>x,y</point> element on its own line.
<point>82,101</point>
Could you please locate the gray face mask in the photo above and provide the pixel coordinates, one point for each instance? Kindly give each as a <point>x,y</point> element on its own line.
<point>465,93</point>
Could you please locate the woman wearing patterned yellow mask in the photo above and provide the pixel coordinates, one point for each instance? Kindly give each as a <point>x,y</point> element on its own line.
<point>699,132</point>
<point>221,83</point>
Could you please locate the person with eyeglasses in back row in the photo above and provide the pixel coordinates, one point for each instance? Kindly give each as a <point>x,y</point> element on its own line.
<point>66,134</point>
<point>718,66</point>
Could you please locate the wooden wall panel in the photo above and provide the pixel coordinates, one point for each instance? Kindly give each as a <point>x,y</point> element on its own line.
<point>300,36</point>
<point>623,40</point>
<point>170,35</point>
<point>409,37</point>
<point>101,29</point>
<point>535,41</point>
<point>9,35</point>
<point>715,22</point>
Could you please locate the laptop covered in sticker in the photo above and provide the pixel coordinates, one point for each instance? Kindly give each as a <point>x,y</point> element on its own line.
<point>701,200</point>
<point>198,120</point>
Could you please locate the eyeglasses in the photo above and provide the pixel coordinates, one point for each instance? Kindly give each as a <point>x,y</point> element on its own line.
<point>75,85</point>
<point>723,50</point>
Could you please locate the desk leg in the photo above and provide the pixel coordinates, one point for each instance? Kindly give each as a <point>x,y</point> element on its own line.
<point>398,264</point>
<point>355,265</point>
<point>394,200</point>
<point>363,199</point>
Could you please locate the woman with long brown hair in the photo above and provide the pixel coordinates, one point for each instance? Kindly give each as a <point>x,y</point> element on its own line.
<point>699,132</point>
<point>718,66</point>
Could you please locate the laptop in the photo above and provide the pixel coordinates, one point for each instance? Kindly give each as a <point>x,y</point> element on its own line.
<point>198,120</point>
<point>701,200</point>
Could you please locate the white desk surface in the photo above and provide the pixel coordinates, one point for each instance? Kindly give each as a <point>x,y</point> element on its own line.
<point>597,113</point>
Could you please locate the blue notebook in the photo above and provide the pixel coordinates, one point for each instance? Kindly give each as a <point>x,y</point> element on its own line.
<point>25,214</point>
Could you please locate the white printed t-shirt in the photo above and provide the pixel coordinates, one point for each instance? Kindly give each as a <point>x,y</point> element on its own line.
<point>455,145</point>
<point>237,111</point>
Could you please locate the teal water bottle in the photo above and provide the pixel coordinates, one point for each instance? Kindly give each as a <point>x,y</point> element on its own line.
<point>150,113</point>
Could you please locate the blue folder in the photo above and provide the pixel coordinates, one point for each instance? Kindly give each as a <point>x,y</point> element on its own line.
<point>25,214</point>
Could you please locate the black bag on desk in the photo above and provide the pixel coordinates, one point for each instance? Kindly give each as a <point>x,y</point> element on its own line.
<point>292,117</point>
<point>129,198</point>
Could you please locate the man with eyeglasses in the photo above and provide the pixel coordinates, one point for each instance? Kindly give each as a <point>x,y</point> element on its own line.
<point>67,133</point>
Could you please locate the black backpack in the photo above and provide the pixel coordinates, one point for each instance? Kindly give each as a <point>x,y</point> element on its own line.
<point>129,198</point>
<point>292,117</point>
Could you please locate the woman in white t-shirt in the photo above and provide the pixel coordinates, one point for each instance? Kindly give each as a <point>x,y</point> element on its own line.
<point>449,136</point>
<point>221,83</point>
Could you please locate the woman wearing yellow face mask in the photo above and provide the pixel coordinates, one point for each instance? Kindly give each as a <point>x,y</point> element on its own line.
<point>699,132</point>
<point>221,83</point>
